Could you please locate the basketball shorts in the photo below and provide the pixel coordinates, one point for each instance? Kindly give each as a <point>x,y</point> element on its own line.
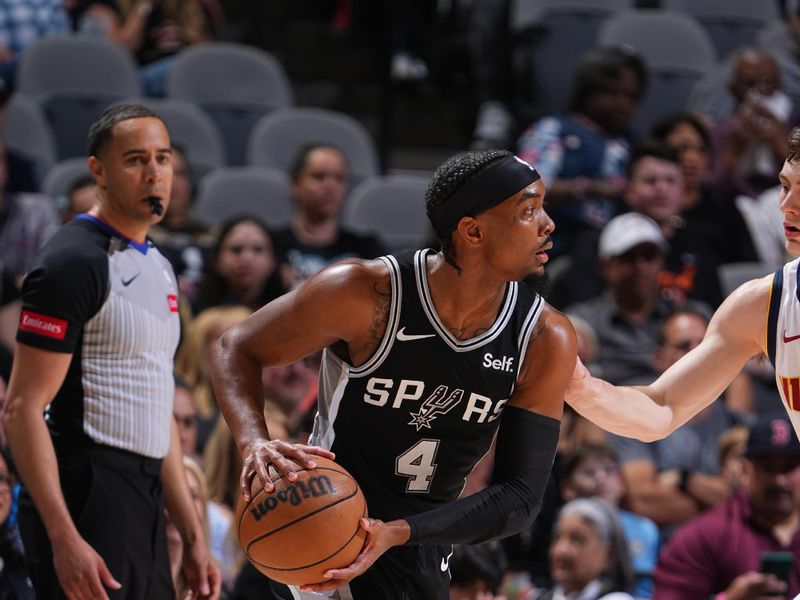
<point>402,573</point>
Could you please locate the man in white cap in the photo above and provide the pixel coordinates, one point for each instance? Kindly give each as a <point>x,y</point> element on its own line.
<point>627,316</point>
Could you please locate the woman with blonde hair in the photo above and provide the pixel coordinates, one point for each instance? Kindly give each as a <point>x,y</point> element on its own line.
<point>191,362</point>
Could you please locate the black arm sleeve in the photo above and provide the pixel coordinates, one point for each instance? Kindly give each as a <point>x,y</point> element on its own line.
<point>526,447</point>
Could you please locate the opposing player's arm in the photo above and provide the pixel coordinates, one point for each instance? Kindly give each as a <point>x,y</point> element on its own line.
<point>526,445</point>
<point>347,303</point>
<point>736,333</point>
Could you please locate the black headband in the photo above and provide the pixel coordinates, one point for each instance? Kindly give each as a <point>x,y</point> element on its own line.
<point>499,182</point>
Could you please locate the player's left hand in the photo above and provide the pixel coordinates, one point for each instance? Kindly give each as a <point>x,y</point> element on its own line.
<point>380,537</point>
<point>201,572</point>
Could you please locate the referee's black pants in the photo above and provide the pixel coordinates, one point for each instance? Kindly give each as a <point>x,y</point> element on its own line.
<point>116,500</point>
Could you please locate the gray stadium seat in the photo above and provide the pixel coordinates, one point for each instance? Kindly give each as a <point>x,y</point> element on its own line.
<point>551,36</point>
<point>732,275</point>
<point>232,191</point>
<point>677,50</point>
<point>190,128</point>
<point>730,23</point>
<point>27,131</point>
<point>75,78</point>
<point>278,136</point>
<point>235,84</point>
<point>392,207</point>
<point>61,176</point>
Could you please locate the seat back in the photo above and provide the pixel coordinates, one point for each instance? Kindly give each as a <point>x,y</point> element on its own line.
<point>232,191</point>
<point>278,137</point>
<point>27,131</point>
<point>393,207</point>
<point>677,50</point>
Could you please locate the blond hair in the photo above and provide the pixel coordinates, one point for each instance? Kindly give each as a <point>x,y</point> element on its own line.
<point>191,362</point>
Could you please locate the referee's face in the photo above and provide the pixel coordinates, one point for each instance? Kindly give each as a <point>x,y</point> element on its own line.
<point>136,170</point>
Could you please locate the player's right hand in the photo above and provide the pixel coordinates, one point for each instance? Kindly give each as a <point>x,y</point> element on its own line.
<point>81,572</point>
<point>261,454</point>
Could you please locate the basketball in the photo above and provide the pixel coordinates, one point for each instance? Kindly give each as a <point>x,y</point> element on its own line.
<point>305,527</point>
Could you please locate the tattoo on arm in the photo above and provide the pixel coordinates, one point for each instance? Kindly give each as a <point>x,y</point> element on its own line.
<point>380,315</point>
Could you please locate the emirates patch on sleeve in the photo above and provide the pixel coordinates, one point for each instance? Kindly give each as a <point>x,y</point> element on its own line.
<point>42,325</point>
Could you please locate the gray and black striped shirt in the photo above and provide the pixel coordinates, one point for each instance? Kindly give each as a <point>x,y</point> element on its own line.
<point>113,305</point>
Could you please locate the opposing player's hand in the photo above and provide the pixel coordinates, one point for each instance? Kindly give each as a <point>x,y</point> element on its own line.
<point>202,573</point>
<point>82,573</point>
<point>262,454</point>
<point>380,537</point>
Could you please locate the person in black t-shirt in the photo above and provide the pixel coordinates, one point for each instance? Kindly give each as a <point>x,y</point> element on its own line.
<point>315,238</point>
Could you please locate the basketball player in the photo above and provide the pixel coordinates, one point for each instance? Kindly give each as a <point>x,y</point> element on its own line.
<point>761,317</point>
<point>426,356</point>
<point>89,405</point>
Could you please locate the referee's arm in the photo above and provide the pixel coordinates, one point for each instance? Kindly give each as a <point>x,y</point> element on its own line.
<point>36,376</point>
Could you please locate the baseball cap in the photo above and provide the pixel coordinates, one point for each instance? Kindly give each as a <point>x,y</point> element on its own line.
<point>627,231</point>
<point>771,435</point>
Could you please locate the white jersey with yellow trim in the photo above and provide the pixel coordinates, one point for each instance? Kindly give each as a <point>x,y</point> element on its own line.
<point>783,337</point>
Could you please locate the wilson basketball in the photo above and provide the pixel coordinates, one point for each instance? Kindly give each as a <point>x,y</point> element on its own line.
<point>304,527</point>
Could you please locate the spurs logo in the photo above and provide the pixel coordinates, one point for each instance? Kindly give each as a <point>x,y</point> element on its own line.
<point>438,403</point>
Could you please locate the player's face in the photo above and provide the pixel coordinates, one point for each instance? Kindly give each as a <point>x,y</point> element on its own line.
<point>321,186</point>
<point>790,205</point>
<point>135,168</point>
<point>577,556</point>
<point>518,233</point>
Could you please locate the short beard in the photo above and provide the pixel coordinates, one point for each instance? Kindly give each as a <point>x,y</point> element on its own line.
<point>538,284</point>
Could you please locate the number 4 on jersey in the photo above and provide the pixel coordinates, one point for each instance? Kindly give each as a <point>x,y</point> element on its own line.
<point>417,464</point>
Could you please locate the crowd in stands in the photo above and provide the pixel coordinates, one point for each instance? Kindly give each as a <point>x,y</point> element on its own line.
<point>649,218</point>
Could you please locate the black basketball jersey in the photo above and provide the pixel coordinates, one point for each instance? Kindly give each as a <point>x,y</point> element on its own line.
<point>412,421</point>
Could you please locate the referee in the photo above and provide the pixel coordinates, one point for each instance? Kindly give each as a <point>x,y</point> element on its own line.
<point>96,341</point>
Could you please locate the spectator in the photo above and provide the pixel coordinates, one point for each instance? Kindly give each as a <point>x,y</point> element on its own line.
<point>242,269</point>
<point>627,316</point>
<point>751,142</point>
<point>594,471</point>
<point>712,224</point>
<point>292,389</point>
<point>22,171</point>
<point>80,198</point>
<point>476,571</point>
<point>582,155</point>
<point>22,23</point>
<point>191,362</point>
<point>315,238</point>
<point>589,556</point>
<point>26,222</point>
<point>184,411</point>
<point>718,552</point>
<point>731,449</point>
<point>14,581</point>
<point>675,478</point>
<point>185,241</point>
<point>153,30</point>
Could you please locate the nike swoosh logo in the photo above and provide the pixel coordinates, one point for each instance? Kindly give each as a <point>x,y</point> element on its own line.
<point>127,282</point>
<point>406,337</point>
<point>446,563</point>
<point>791,338</point>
